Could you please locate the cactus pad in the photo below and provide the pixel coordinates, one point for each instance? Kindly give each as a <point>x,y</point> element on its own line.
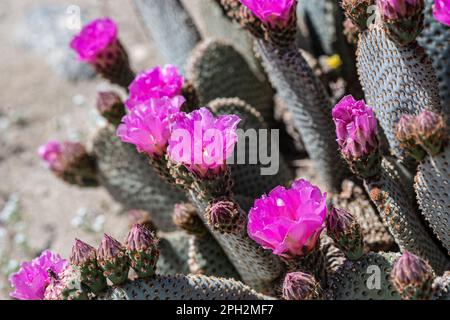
<point>396,80</point>
<point>432,190</point>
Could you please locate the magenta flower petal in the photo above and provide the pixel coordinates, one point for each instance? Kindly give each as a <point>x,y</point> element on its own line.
<point>155,83</point>
<point>50,152</point>
<point>31,280</point>
<point>94,38</point>
<point>288,221</point>
<point>441,11</point>
<point>356,127</point>
<point>203,142</point>
<point>276,13</point>
<point>397,9</point>
<point>147,126</point>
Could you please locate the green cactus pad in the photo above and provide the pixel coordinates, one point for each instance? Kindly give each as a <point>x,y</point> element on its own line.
<point>310,105</point>
<point>131,180</point>
<point>180,31</point>
<point>432,189</point>
<point>435,40</point>
<point>365,279</point>
<point>208,258</point>
<point>334,257</point>
<point>396,81</point>
<point>402,218</point>
<point>180,287</point>
<point>218,70</point>
<point>174,248</point>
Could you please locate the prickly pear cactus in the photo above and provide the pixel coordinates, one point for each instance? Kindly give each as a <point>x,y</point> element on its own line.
<point>180,31</point>
<point>320,16</point>
<point>217,70</point>
<point>180,287</point>
<point>129,178</point>
<point>435,39</point>
<point>364,279</point>
<point>432,189</point>
<point>310,106</point>
<point>402,218</point>
<point>396,80</point>
<point>208,258</point>
<point>174,248</point>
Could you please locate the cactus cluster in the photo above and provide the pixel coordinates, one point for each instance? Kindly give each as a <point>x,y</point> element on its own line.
<point>213,229</point>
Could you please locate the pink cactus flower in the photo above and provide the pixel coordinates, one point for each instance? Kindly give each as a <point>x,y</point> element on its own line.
<point>203,142</point>
<point>289,221</point>
<point>441,11</point>
<point>276,13</point>
<point>396,9</point>
<point>155,83</point>
<point>51,153</point>
<point>31,280</point>
<point>147,126</point>
<point>356,128</point>
<point>94,38</point>
<point>58,155</point>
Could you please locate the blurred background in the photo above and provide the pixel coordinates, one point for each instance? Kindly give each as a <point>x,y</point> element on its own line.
<point>46,94</point>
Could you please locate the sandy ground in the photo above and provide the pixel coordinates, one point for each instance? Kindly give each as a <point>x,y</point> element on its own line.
<point>38,105</point>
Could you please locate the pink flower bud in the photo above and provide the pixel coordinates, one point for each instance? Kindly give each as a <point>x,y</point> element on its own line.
<point>289,221</point>
<point>412,277</point>
<point>398,9</point>
<point>300,286</point>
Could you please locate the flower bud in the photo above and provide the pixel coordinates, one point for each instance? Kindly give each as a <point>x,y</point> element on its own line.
<point>225,215</point>
<point>406,135</point>
<point>112,258</point>
<point>300,286</point>
<point>84,257</point>
<point>402,19</point>
<point>431,131</point>
<point>110,106</point>
<point>143,251</point>
<point>343,228</point>
<point>71,162</point>
<point>412,277</point>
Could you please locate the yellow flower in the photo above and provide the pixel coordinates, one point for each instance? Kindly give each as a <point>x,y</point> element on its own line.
<point>333,62</point>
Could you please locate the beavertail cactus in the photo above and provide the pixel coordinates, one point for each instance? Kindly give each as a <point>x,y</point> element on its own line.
<point>388,71</point>
<point>198,149</point>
